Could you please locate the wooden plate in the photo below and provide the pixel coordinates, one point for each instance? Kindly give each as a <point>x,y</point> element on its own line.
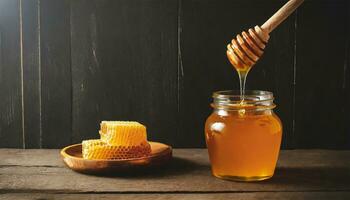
<point>72,157</point>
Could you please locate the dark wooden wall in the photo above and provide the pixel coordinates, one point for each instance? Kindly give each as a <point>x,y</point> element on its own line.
<point>67,65</point>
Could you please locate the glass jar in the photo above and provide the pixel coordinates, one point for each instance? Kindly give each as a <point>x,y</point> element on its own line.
<point>243,139</point>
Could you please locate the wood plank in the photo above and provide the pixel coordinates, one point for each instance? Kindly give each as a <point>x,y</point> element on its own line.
<point>298,170</point>
<point>31,73</point>
<point>207,27</point>
<point>287,158</point>
<point>124,66</point>
<point>30,157</point>
<point>11,129</point>
<point>55,73</point>
<point>321,55</point>
<point>346,82</point>
<point>215,196</point>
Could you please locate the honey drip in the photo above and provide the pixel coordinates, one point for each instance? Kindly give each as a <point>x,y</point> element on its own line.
<point>242,81</point>
<point>244,51</point>
<point>246,48</point>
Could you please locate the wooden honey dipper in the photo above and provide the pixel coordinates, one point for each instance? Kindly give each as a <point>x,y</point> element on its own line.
<point>244,51</point>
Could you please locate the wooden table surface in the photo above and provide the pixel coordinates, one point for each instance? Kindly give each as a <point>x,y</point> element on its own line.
<point>301,174</point>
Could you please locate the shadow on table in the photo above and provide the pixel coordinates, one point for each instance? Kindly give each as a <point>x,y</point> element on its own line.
<point>175,166</point>
<point>312,176</point>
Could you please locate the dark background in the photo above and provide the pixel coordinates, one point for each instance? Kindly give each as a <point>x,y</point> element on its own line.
<point>67,65</point>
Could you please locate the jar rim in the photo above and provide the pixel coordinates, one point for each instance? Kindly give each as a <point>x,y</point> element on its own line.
<point>250,95</point>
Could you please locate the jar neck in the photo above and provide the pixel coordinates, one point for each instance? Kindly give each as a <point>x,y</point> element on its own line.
<point>226,112</point>
<point>254,101</point>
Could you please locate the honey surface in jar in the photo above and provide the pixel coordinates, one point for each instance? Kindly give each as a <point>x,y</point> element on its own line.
<point>243,145</point>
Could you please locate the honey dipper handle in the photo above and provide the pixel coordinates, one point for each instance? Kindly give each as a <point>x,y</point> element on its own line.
<point>281,15</point>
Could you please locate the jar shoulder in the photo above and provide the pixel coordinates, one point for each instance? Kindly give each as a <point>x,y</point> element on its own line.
<point>215,117</point>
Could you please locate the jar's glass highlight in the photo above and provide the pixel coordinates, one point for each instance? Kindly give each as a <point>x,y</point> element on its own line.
<point>243,138</point>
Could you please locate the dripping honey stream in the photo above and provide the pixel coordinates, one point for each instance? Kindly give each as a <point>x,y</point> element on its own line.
<point>246,49</point>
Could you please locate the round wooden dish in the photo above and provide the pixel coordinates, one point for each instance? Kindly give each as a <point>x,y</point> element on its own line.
<point>72,157</point>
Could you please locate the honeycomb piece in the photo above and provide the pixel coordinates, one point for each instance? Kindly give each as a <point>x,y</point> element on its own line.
<point>105,124</point>
<point>97,149</point>
<point>123,133</point>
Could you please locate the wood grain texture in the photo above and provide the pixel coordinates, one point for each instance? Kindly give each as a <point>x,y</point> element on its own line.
<point>215,196</point>
<point>11,132</point>
<point>124,66</point>
<point>346,82</point>
<point>207,27</point>
<point>321,59</point>
<point>31,73</point>
<point>56,86</point>
<point>298,171</point>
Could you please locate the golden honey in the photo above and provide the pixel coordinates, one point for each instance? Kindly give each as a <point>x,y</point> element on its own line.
<point>243,139</point>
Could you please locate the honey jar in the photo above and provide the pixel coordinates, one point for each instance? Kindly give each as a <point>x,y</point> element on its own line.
<point>243,136</point>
